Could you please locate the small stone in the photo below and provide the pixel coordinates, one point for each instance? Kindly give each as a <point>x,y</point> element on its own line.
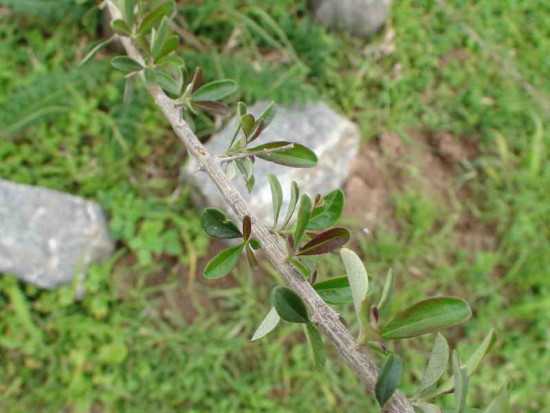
<point>333,138</point>
<point>48,237</point>
<point>358,17</point>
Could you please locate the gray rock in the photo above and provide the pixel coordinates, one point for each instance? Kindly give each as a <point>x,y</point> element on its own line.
<point>358,17</point>
<point>49,237</point>
<point>332,137</point>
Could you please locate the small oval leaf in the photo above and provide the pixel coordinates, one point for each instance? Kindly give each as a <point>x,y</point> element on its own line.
<point>384,304</point>
<point>276,196</point>
<point>212,107</point>
<point>317,346</point>
<point>426,316</point>
<point>251,258</point>
<point>327,214</point>
<point>223,263</point>
<point>471,365</point>
<point>216,224</point>
<point>289,305</point>
<point>326,241</point>
<point>268,114</point>
<point>170,45</point>
<point>304,212</point>
<point>460,377</point>
<point>120,28</point>
<point>298,156</point>
<point>267,325</point>
<point>155,16</point>
<point>358,278</point>
<point>389,378</point>
<point>247,124</point>
<point>437,365</point>
<point>334,291</point>
<point>294,196</point>
<point>215,90</point>
<point>126,64</point>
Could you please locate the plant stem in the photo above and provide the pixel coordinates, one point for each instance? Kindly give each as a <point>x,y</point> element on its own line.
<point>252,154</point>
<point>320,314</point>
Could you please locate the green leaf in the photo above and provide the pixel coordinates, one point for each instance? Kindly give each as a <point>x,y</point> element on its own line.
<point>298,156</point>
<point>155,16</point>
<point>128,90</point>
<point>215,90</point>
<point>241,109</point>
<point>257,132</point>
<point>223,263</point>
<point>172,61</point>
<point>304,212</point>
<point>294,196</point>
<point>255,244</point>
<point>317,346</point>
<point>251,258</point>
<point>289,305</point>
<point>437,365</point>
<point>268,114</point>
<point>267,325</point>
<point>500,404</point>
<point>358,278</point>
<point>127,11</point>
<point>150,76</point>
<point>427,316</point>
<point>247,170</point>
<point>384,304</point>
<point>276,196</point>
<point>472,364</point>
<point>212,107</point>
<point>326,241</point>
<point>423,407</point>
<point>121,28</point>
<point>389,378</point>
<point>479,354</point>
<point>170,45</point>
<point>334,291</point>
<point>460,376</point>
<point>159,38</point>
<point>95,49</point>
<point>247,124</point>
<point>327,214</point>
<point>126,64</point>
<point>197,80</point>
<point>168,83</point>
<point>216,224</point>
<point>247,228</point>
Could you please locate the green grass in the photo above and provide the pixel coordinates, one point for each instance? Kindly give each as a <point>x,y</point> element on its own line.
<point>129,345</point>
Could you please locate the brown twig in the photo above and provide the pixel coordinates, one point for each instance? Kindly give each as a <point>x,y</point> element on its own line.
<point>320,314</point>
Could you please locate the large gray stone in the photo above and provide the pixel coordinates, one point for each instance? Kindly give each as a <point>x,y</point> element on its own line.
<point>358,17</point>
<point>332,137</point>
<point>48,237</point>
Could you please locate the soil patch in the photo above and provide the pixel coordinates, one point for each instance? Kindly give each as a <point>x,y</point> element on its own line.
<point>421,160</point>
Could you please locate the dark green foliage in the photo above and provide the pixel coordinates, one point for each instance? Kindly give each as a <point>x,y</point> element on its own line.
<point>51,10</point>
<point>216,224</point>
<point>334,291</point>
<point>389,378</point>
<point>47,96</point>
<point>289,305</point>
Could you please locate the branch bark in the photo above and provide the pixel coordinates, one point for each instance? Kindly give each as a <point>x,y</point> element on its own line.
<point>320,314</point>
